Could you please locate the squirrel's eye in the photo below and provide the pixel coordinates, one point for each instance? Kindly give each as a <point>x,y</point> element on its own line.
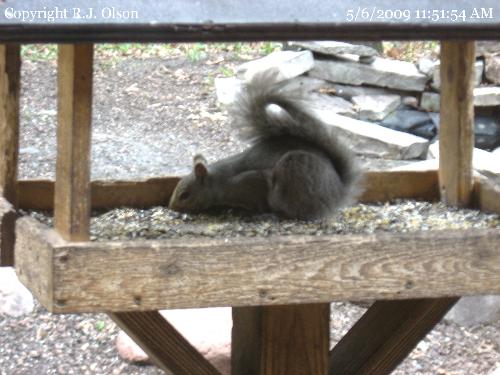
<point>184,196</point>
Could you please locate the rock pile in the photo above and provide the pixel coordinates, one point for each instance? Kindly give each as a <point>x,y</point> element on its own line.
<point>376,101</point>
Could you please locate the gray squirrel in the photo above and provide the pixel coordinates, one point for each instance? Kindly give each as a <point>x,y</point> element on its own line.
<point>295,167</point>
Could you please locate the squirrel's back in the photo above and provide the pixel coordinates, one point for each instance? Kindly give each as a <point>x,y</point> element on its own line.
<point>266,109</point>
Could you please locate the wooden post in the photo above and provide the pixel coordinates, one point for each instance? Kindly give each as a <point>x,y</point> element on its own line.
<point>286,340</point>
<point>456,131</point>
<point>72,204</point>
<point>72,187</point>
<point>10,67</point>
<point>375,350</point>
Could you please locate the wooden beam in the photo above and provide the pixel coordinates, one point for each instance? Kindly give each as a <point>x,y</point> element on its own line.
<point>188,273</point>
<point>163,343</point>
<point>8,218</point>
<point>456,130</point>
<point>72,199</point>
<point>380,186</point>
<point>286,340</point>
<point>379,351</point>
<point>72,186</point>
<point>384,186</point>
<point>10,71</point>
<point>385,335</point>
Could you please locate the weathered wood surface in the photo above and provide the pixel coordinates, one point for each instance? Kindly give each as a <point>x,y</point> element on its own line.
<point>286,340</point>
<point>487,195</point>
<point>213,20</point>
<point>379,187</point>
<point>385,335</point>
<point>456,130</point>
<point>74,115</point>
<point>10,71</point>
<point>8,218</point>
<point>163,343</point>
<point>383,186</point>
<point>150,275</point>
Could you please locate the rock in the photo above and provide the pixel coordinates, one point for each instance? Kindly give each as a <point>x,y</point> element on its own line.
<point>485,47</point>
<point>495,371</point>
<point>427,66</point>
<point>394,74</point>
<point>373,140</point>
<point>348,91</point>
<point>289,64</point>
<point>486,96</point>
<point>15,299</point>
<point>492,68</point>
<point>227,89</point>
<point>376,107</point>
<point>129,350</point>
<point>478,77</point>
<point>483,97</point>
<point>333,103</point>
<point>474,310</point>
<point>483,161</point>
<point>334,48</point>
<point>208,330</point>
<point>410,101</point>
<point>430,101</point>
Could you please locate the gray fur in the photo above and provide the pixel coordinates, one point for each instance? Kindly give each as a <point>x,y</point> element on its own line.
<point>295,167</point>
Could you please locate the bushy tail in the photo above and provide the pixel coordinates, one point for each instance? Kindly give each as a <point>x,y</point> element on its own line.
<point>255,118</point>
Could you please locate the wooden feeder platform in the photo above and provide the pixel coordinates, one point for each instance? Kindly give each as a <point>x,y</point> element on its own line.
<point>280,288</point>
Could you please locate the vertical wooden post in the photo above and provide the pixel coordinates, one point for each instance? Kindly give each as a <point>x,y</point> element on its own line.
<point>72,206</point>
<point>456,131</point>
<point>287,340</point>
<point>10,67</point>
<point>390,329</point>
<point>72,188</point>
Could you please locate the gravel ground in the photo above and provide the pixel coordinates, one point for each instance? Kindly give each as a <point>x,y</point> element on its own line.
<point>150,117</point>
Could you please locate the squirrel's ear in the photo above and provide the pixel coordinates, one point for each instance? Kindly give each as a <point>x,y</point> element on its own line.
<point>200,166</point>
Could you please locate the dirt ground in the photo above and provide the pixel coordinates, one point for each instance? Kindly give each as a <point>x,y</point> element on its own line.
<point>150,117</point>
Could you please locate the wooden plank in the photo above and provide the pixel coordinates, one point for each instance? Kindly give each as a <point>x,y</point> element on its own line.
<point>385,335</point>
<point>384,186</point>
<point>72,204</point>
<point>185,273</point>
<point>287,340</point>
<point>456,130</point>
<point>10,71</point>
<point>380,186</point>
<point>74,115</point>
<point>8,218</point>
<point>212,20</point>
<point>10,82</point>
<point>34,259</point>
<point>382,354</point>
<point>163,343</point>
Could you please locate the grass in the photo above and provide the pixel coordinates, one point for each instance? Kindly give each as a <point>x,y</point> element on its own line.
<point>194,52</point>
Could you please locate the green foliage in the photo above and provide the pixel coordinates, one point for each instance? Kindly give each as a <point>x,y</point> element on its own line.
<point>196,52</point>
<point>100,325</point>
<point>39,52</point>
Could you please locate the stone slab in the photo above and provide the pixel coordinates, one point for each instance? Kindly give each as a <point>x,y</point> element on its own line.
<point>400,75</point>
<point>289,64</point>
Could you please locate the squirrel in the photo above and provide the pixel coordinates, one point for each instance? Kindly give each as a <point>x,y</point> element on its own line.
<point>295,167</point>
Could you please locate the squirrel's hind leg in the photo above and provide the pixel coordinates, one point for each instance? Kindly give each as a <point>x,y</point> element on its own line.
<point>304,185</point>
